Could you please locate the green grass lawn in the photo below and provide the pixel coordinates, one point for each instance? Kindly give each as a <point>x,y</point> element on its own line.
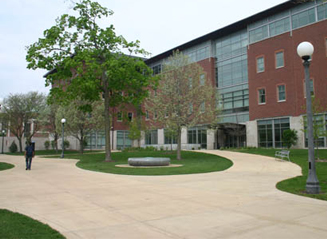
<point>300,157</point>
<point>53,152</point>
<point>5,166</point>
<point>15,225</point>
<point>192,162</point>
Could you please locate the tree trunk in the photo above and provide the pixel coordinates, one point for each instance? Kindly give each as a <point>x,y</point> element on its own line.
<point>81,144</point>
<point>179,143</point>
<point>56,142</point>
<point>107,121</point>
<point>20,144</point>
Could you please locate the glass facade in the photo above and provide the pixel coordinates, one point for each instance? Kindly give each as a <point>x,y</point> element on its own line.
<point>270,132</point>
<point>122,139</point>
<point>197,135</point>
<point>299,16</point>
<point>170,138</point>
<point>151,137</point>
<point>95,140</point>
<point>198,54</point>
<point>232,77</point>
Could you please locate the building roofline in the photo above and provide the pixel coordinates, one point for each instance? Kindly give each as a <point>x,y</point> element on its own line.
<point>234,27</point>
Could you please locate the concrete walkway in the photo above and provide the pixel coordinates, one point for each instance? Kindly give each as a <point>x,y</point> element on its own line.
<point>241,202</point>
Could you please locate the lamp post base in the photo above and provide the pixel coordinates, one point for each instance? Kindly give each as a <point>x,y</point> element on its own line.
<point>312,188</point>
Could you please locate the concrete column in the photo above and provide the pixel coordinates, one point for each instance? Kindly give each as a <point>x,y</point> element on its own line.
<point>161,137</point>
<point>297,124</point>
<point>184,138</point>
<point>210,139</point>
<point>252,134</point>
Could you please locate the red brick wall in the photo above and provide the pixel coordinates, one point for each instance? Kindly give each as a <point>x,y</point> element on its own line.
<point>292,74</point>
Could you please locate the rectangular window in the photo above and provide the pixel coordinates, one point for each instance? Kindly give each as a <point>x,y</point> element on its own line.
<point>197,136</point>
<point>156,69</point>
<point>260,64</point>
<point>303,18</point>
<point>155,116</point>
<point>203,107</point>
<point>270,132</point>
<point>262,96</point>
<point>146,115</point>
<point>151,137</point>
<point>130,116</point>
<point>190,108</point>
<point>170,137</point>
<point>202,79</point>
<point>322,12</point>
<point>279,27</point>
<point>281,93</point>
<point>119,116</point>
<point>259,34</point>
<point>123,141</point>
<point>279,58</point>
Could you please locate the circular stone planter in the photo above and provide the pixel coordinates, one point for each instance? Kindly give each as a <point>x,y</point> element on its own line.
<point>149,161</point>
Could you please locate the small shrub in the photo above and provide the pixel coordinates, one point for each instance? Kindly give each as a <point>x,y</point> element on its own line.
<point>193,148</point>
<point>66,144</point>
<point>13,147</point>
<point>150,148</point>
<point>162,148</point>
<point>199,148</point>
<point>47,145</point>
<point>53,144</point>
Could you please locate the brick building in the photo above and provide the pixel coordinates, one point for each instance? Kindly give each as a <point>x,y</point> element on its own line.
<point>258,75</point>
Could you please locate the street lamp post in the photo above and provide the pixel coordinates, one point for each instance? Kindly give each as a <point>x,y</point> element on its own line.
<point>305,51</point>
<point>63,121</point>
<point>3,139</point>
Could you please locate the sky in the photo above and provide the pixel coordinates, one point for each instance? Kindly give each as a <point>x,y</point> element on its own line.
<point>158,25</point>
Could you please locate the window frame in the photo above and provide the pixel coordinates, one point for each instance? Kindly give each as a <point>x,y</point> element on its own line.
<point>258,92</point>
<point>119,116</point>
<point>278,52</point>
<point>277,88</point>
<point>264,66</point>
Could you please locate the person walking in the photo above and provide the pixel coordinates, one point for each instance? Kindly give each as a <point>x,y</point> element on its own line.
<point>29,154</point>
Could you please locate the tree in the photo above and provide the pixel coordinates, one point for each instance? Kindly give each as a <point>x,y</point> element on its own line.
<point>23,110</point>
<point>184,97</point>
<point>87,62</point>
<point>290,137</point>
<point>80,123</point>
<point>318,121</point>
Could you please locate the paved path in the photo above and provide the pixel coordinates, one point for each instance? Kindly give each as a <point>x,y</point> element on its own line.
<point>241,202</point>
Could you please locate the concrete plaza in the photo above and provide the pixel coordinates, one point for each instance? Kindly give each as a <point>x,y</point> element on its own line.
<point>241,202</point>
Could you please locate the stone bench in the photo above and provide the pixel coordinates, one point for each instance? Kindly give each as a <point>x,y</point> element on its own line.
<point>149,161</point>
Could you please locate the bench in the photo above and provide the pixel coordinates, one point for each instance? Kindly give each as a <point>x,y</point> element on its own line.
<point>282,154</point>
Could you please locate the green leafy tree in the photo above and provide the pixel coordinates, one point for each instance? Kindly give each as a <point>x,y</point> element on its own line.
<point>290,137</point>
<point>135,130</point>
<point>78,122</point>
<point>87,62</point>
<point>184,97</point>
<point>23,110</point>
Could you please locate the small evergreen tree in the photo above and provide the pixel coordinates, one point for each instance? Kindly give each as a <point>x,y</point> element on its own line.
<point>290,137</point>
<point>13,147</point>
